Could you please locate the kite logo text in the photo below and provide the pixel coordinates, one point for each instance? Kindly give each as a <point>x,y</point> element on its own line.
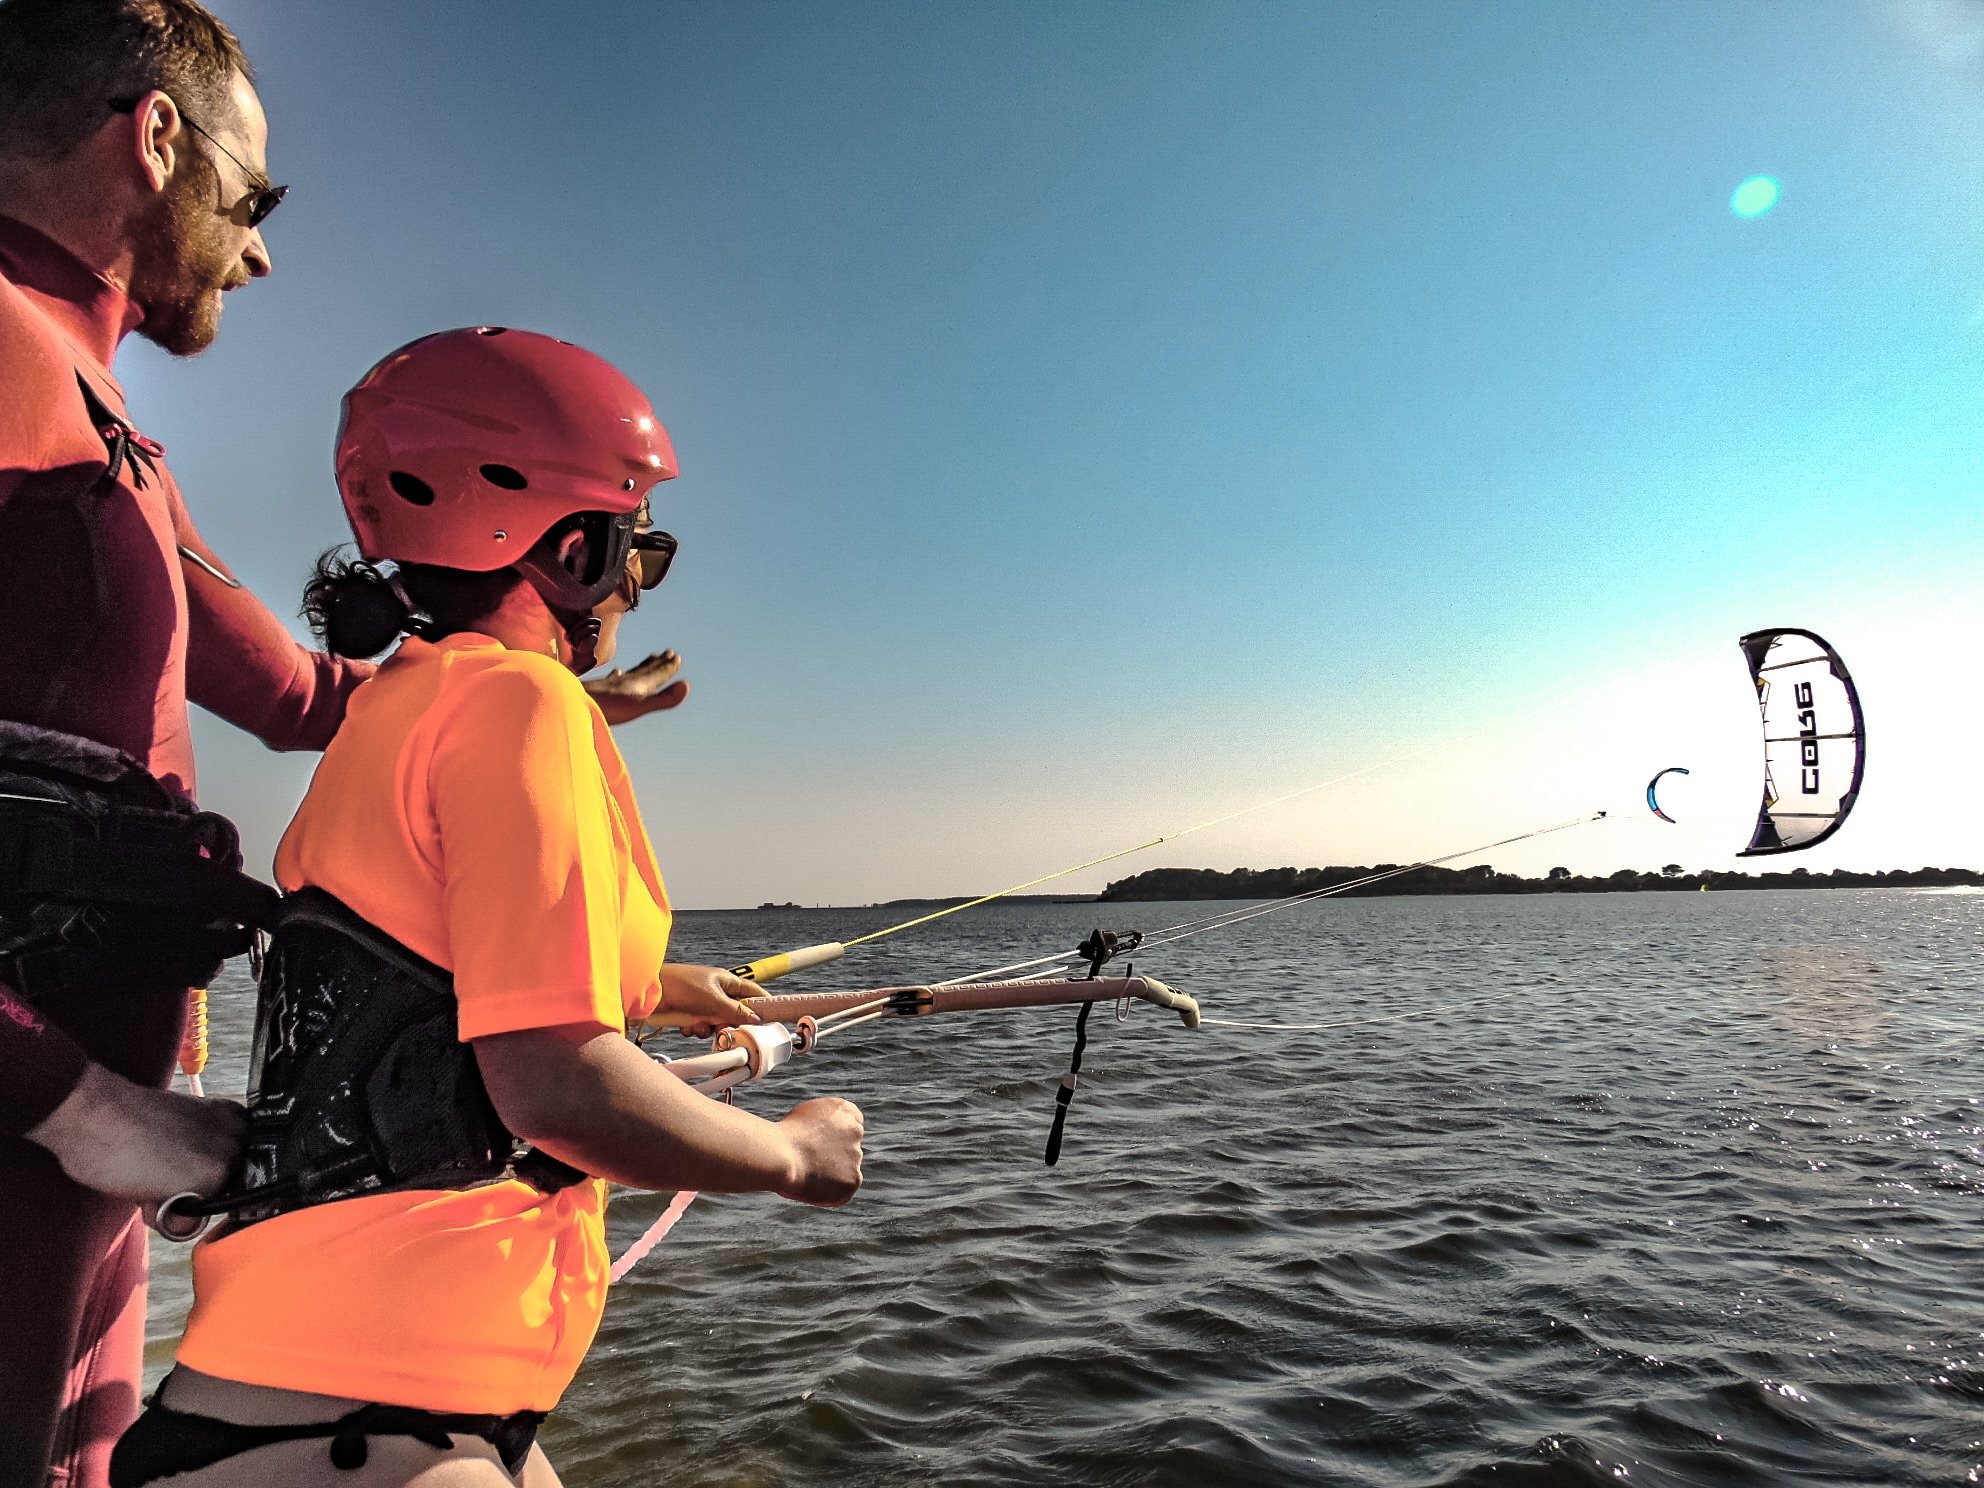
<point>1808,739</point>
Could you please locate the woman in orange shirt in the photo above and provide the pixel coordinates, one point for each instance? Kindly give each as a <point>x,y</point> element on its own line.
<point>473,906</point>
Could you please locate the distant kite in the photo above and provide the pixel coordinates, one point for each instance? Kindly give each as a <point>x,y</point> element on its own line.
<point>1815,741</point>
<point>1652,804</point>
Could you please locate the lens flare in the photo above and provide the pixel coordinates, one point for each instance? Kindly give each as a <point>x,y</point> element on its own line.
<point>1754,197</point>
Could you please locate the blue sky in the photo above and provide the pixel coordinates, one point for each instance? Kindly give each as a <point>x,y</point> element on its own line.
<point>1096,417</point>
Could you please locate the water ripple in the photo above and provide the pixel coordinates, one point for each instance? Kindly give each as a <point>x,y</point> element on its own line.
<point>1701,1202</point>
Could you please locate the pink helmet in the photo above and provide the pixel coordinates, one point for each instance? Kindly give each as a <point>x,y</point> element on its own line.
<point>464,448</point>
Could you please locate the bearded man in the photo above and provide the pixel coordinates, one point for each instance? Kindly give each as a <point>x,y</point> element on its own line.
<point>133,188</point>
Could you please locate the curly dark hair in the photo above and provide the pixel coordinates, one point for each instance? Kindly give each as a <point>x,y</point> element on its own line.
<point>356,610</point>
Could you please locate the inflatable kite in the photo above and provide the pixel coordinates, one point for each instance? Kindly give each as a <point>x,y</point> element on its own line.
<point>1652,804</point>
<point>1815,741</point>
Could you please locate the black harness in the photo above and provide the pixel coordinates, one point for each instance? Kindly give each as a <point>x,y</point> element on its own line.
<point>359,1083</point>
<point>101,866</point>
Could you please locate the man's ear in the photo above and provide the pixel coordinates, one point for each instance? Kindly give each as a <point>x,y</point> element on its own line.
<point>158,135</point>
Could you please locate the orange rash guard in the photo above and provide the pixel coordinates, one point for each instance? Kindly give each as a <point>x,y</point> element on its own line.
<point>475,808</point>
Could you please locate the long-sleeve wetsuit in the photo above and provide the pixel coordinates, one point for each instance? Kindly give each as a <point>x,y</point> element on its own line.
<point>113,613</point>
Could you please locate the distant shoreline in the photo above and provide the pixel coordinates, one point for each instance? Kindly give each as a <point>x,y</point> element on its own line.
<point>1173,884</point>
<point>924,903</point>
<point>1280,883</point>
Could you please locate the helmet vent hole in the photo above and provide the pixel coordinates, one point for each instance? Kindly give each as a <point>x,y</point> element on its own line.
<point>490,330</point>
<point>411,488</point>
<point>507,476</point>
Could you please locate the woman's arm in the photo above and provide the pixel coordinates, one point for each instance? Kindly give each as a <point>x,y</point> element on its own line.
<point>590,1098</point>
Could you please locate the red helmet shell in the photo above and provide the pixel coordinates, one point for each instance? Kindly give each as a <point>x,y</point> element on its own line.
<point>463,448</point>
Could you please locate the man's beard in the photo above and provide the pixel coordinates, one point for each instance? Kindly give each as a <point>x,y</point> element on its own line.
<point>182,262</point>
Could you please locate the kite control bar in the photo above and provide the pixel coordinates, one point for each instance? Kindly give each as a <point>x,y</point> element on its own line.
<point>750,1051</point>
<point>965,997</point>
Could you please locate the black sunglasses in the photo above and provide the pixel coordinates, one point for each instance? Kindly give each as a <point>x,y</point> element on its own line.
<point>254,208</point>
<point>654,551</point>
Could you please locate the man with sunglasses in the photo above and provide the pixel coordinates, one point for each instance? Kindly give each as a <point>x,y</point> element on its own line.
<point>133,191</point>
<point>132,195</point>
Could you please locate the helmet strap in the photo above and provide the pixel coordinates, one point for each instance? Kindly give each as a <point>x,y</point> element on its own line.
<point>418,622</point>
<point>609,537</point>
<point>581,629</point>
<point>571,596</point>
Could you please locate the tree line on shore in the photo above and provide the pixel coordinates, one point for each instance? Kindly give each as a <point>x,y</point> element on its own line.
<point>1281,883</point>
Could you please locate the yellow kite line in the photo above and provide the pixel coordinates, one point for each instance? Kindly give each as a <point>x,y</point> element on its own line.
<point>771,968</point>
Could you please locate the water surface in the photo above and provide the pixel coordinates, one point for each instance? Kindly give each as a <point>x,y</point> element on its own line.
<point>1669,1189</point>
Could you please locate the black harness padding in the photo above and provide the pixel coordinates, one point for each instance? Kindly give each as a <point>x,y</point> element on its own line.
<point>101,864</point>
<point>359,1082</point>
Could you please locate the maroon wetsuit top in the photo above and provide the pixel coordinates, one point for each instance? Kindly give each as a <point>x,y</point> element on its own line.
<point>113,610</point>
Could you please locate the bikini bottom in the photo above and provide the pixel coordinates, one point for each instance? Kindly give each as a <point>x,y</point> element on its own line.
<point>164,1441</point>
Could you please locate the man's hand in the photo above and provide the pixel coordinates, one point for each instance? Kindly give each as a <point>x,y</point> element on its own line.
<point>708,996</point>
<point>136,1143</point>
<point>649,687</point>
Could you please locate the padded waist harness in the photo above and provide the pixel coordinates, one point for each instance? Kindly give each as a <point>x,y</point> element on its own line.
<point>103,868</point>
<point>359,1082</point>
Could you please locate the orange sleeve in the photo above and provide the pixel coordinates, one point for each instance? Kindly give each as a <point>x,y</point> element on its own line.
<point>532,889</point>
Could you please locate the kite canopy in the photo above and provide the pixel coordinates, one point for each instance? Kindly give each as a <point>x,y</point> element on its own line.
<point>1815,743</point>
<point>1653,804</point>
